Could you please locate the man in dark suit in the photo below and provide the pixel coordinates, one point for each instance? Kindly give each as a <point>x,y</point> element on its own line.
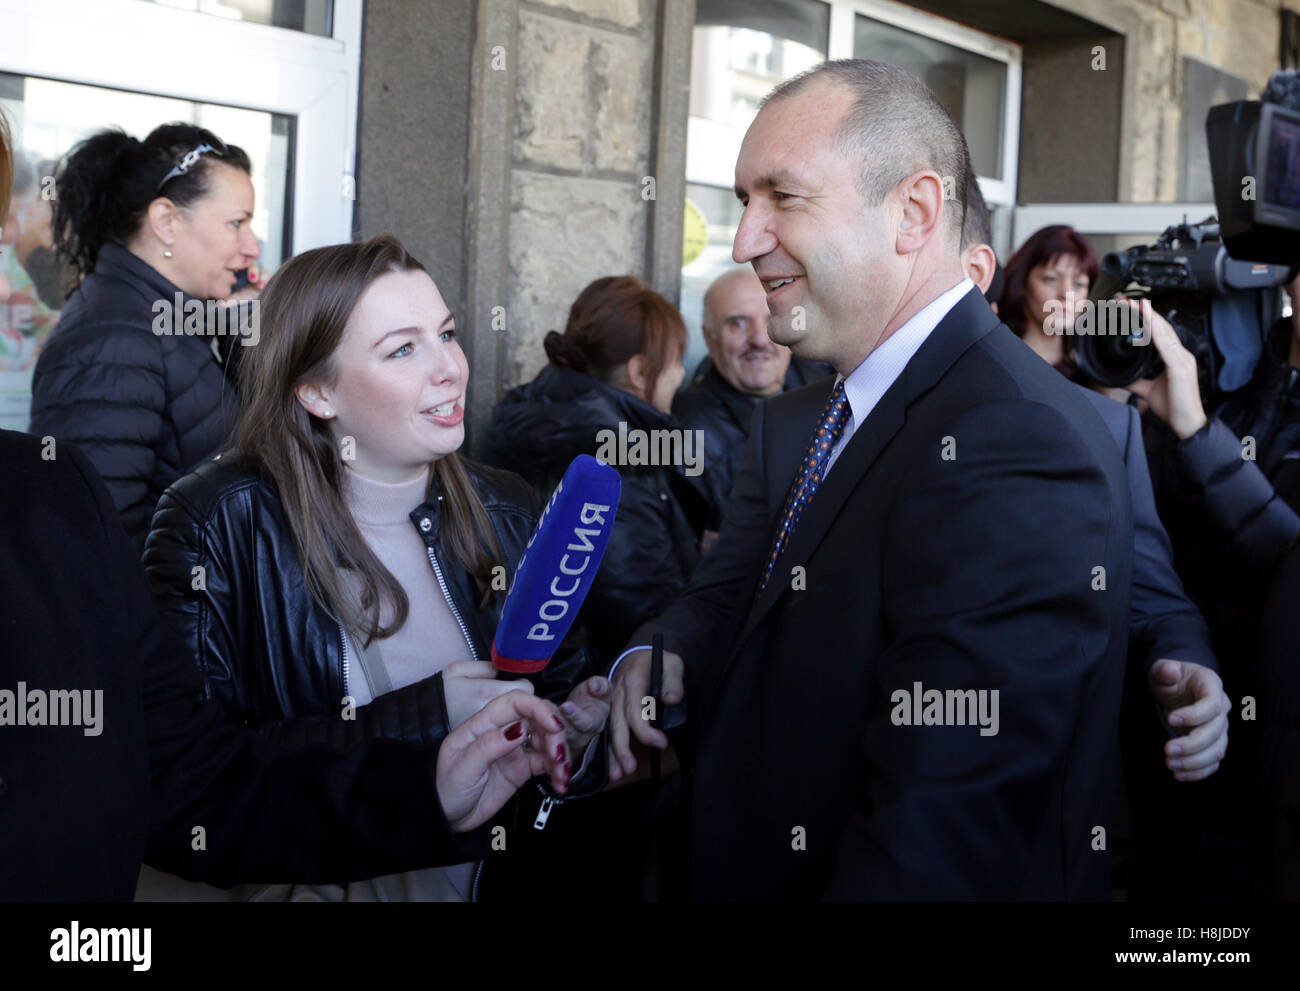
<point>1167,633</point>
<point>915,693</point>
<point>1171,660</point>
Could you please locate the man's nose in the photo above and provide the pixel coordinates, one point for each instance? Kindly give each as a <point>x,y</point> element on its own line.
<point>753,240</point>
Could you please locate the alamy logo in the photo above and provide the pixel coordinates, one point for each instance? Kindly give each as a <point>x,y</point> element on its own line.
<point>955,707</point>
<point>638,448</point>
<point>77,945</point>
<point>207,318</point>
<point>1096,318</point>
<point>53,708</point>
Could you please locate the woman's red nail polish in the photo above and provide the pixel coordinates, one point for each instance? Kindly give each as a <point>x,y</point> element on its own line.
<point>559,752</point>
<point>568,773</point>
<point>514,731</point>
<point>559,723</point>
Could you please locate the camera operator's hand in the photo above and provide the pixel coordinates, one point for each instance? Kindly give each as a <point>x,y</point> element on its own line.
<point>1196,706</point>
<point>1175,395</point>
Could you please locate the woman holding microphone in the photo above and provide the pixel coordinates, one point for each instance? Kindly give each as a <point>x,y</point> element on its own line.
<point>82,810</point>
<point>340,573</point>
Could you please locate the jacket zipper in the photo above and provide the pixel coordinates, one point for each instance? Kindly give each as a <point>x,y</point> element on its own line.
<point>343,641</point>
<point>446,594</point>
<point>544,812</point>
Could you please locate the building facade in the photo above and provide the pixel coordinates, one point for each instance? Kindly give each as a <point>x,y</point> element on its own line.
<point>522,148</point>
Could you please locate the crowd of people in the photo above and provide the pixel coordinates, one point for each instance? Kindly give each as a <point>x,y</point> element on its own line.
<point>285,573</point>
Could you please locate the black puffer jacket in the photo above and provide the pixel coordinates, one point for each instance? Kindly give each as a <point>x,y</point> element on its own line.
<point>1228,525</point>
<point>144,408</point>
<point>539,427</point>
<point>270,653</point>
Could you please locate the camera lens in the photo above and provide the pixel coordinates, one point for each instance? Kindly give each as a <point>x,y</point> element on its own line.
<point>1116,264</point>
<point>1116,359</point>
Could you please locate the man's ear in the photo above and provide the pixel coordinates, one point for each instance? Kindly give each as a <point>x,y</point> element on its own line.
<point>163,217</point>
<point>923,210</point>
<point>314,398</point>
<point>979,263</point>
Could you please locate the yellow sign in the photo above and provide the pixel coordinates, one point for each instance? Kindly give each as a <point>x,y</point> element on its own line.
<point>695,233</point>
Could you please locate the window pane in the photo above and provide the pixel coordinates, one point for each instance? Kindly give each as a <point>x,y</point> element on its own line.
<point>311,16</point>
<point>741,50</point>
<point>48,117</point>
<point>721,212</point>
<point>971,87</point>
<point>739,54</point>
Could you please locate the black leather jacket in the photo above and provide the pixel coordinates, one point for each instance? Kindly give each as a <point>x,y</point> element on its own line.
<point>269,652</point>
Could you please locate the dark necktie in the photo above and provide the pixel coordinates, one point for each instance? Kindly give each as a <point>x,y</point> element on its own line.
<point>829,429</point>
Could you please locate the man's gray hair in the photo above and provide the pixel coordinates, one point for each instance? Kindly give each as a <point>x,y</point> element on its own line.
<point>895,127</point>
<point>978,228</point>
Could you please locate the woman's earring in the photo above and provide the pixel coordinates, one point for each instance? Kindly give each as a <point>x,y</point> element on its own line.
<point>167,252</point>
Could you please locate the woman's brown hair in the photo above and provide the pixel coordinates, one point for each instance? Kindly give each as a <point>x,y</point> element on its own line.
<point>1041,247</point>
<point>6,167</point>
<point>611,321</point>
<point>304,311</point>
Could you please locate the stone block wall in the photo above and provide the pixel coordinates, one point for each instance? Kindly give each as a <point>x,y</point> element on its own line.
<point>580,150</point>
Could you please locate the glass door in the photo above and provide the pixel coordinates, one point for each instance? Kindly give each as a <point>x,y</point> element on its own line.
<point>278,79</point>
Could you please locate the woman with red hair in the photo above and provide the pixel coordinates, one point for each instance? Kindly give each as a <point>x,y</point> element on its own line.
<point>1046,280</point>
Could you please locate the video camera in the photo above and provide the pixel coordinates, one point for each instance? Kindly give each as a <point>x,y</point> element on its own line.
<point>1217,282</point>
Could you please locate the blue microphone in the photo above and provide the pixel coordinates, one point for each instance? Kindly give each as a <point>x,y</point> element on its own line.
<point>558,566</point>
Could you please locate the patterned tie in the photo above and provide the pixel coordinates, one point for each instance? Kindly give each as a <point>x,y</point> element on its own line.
<point>824,439</point>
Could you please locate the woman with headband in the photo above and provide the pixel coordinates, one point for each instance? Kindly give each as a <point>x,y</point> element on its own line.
<point>157,230</point>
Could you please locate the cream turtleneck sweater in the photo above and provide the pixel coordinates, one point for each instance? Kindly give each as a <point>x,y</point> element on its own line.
<point>430,639</point>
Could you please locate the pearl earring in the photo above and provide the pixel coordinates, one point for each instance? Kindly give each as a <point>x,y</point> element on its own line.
<point>167,252</point>
<point>329,414</point>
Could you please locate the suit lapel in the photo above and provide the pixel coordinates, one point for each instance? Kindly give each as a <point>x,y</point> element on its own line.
<point>968,321</point>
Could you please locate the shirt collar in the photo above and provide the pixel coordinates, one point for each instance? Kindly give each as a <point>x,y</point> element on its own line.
<point>878,370</point>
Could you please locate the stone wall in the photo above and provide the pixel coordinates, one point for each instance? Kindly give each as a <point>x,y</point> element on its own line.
<point>580,152</point>
<point>411,163</point>
<point>1238,38</point>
